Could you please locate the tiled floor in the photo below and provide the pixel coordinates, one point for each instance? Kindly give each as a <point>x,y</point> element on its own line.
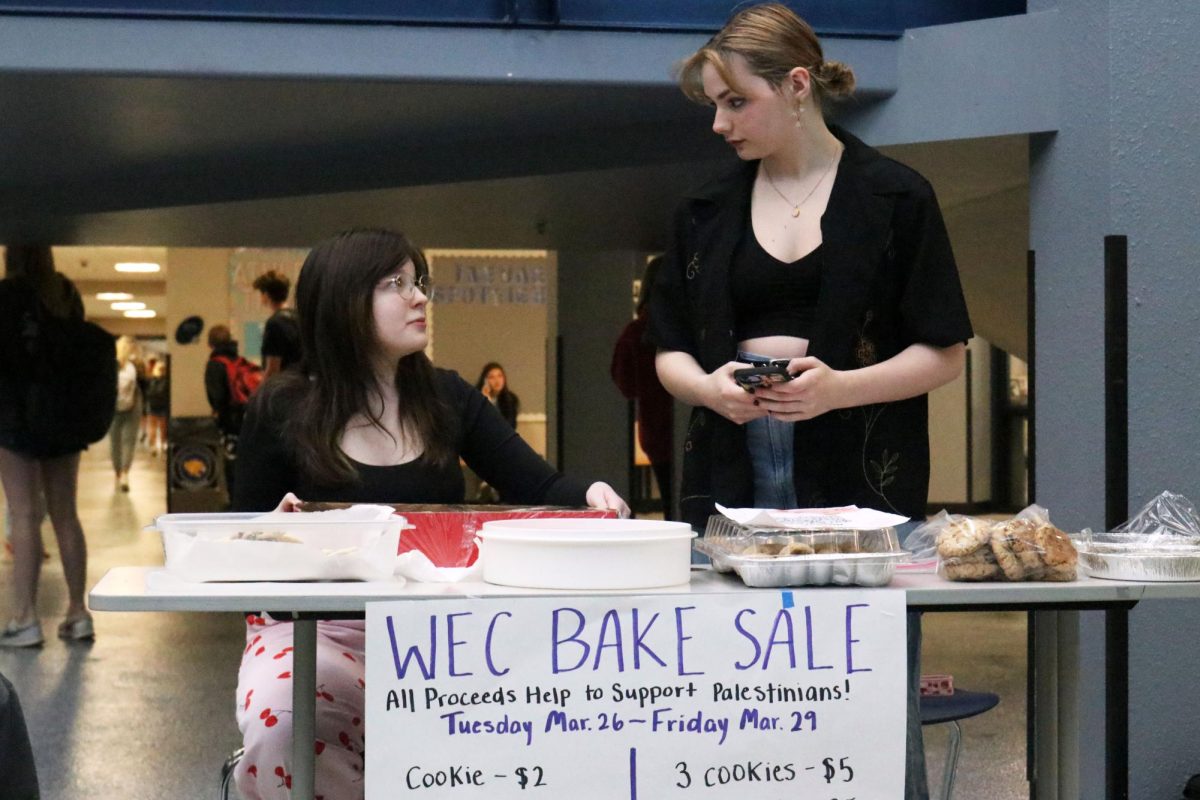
<point>147,710</point>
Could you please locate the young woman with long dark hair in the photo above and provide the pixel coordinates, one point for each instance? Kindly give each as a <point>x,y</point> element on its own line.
<point>367,418</point>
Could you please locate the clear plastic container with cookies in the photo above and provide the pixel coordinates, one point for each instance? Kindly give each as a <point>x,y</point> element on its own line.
<point>772,556</point>
<point>1025,548</point>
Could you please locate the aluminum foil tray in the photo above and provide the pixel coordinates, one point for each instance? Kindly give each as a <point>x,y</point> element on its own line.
<point>839,557</point>
<point>1128,560</point>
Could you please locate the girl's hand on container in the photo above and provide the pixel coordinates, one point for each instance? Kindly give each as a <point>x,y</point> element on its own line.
<point>724,396</point>
<point>815,390</point>
<point>601,495</point>
<point>289,503</point>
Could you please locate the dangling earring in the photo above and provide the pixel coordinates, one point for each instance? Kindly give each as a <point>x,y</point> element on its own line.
<point>796,112</point>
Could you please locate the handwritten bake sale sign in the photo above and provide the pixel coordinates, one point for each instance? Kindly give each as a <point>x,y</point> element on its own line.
<point>744,695</point>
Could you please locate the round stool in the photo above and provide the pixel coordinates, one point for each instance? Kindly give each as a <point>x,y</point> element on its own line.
<point>950,709</point>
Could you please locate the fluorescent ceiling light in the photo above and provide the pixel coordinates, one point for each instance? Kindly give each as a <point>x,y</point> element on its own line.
<point>128,306</point>
<point>137,266</point>
<point>114,296</point>
<point>142,314</point>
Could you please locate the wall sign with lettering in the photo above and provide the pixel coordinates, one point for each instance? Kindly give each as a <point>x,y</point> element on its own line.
<point>489,280</point>
<point>744,695</point>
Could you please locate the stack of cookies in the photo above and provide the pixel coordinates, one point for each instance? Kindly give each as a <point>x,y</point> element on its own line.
<point>1018,549</point>
<point>767,549</point>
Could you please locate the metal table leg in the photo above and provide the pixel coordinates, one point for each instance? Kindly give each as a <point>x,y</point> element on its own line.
<point>1116,704</point>
<point>304,706</point>
<point>1068,704</point>
<point>1045,691</point>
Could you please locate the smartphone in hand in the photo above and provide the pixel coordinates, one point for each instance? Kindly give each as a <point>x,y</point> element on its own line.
<point>756,377</point>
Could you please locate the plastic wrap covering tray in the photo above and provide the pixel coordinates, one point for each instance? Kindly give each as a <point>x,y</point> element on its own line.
<point>1130,557</point>
<point>769,557</point>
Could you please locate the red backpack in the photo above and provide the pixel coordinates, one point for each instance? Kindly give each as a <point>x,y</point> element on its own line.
<point>243,376</point>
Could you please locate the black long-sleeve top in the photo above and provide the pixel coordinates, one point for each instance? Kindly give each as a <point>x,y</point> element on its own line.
<point>267,467</point>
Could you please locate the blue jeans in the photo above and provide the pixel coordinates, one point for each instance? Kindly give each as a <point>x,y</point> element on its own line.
<point>772,454</point>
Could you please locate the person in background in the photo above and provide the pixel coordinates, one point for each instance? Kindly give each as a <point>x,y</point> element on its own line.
<point>158,403</point>
<point>281,336</point>
<point>28,464</point>
<point>820,257</point>
<point>633,372</point>
<point>220,397</point>
<point>493,382</point>
<point>145,368</point>
<point>369,420</point>
<point>122,436</point>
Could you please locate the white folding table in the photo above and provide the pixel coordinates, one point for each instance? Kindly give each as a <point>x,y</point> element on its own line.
<point>1055,648</point>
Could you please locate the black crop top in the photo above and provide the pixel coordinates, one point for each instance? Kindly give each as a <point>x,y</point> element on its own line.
<point>772,297</point>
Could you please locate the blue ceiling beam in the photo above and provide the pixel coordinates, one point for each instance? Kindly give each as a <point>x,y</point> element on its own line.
<point>866,18</point>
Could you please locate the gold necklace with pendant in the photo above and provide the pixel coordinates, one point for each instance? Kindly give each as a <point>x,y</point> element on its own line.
<point>820,180</point>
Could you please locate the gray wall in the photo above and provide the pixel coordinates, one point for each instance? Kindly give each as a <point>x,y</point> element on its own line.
<point>1124,162</point>
<point>1069,215</point>
<point>1155,172</point>
<point>971,79</point>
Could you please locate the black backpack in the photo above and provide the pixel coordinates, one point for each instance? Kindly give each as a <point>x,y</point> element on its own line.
<point>72,393</point>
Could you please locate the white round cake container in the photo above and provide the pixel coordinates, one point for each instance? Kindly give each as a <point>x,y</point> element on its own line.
<point>586,553</point>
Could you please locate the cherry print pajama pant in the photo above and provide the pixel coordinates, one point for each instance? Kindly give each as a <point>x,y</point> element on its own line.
<point>264,710</point>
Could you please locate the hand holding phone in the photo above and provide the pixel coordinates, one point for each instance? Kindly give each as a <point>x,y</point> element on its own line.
<point>756,377</point>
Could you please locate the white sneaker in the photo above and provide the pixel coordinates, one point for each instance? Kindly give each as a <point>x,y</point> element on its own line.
<point>27,636</point>
<point>77,629</point>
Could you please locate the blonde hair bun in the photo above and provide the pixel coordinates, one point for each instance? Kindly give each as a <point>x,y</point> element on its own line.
<point>836,78</point>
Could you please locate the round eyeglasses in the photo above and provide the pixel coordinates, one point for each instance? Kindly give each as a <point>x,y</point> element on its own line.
<point>404,285</point>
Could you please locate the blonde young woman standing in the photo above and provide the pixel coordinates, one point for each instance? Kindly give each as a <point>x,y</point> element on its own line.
<point>818,254</point>
<point>123,435</point>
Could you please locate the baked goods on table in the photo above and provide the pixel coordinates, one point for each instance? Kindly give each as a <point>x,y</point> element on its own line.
<point>1159,543</point>
<point>263,536</point>
<point>1025,548</point>
<point>355,543</point>
<point>775,556</point>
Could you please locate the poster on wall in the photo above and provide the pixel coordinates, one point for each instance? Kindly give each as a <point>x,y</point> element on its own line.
<point>247,314</point>
<point>490,278</point>
<point>723,696</point>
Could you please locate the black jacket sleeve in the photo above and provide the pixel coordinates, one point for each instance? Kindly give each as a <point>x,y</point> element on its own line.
<point>498,454</point>
<point>265,468</point>
<point>932,308</point>
<point>669,327</point>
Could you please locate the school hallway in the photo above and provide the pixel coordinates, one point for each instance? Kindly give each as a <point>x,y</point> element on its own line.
<point>146,711</point>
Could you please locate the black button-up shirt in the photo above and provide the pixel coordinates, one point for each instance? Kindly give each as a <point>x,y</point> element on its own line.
<point>889,280</point>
